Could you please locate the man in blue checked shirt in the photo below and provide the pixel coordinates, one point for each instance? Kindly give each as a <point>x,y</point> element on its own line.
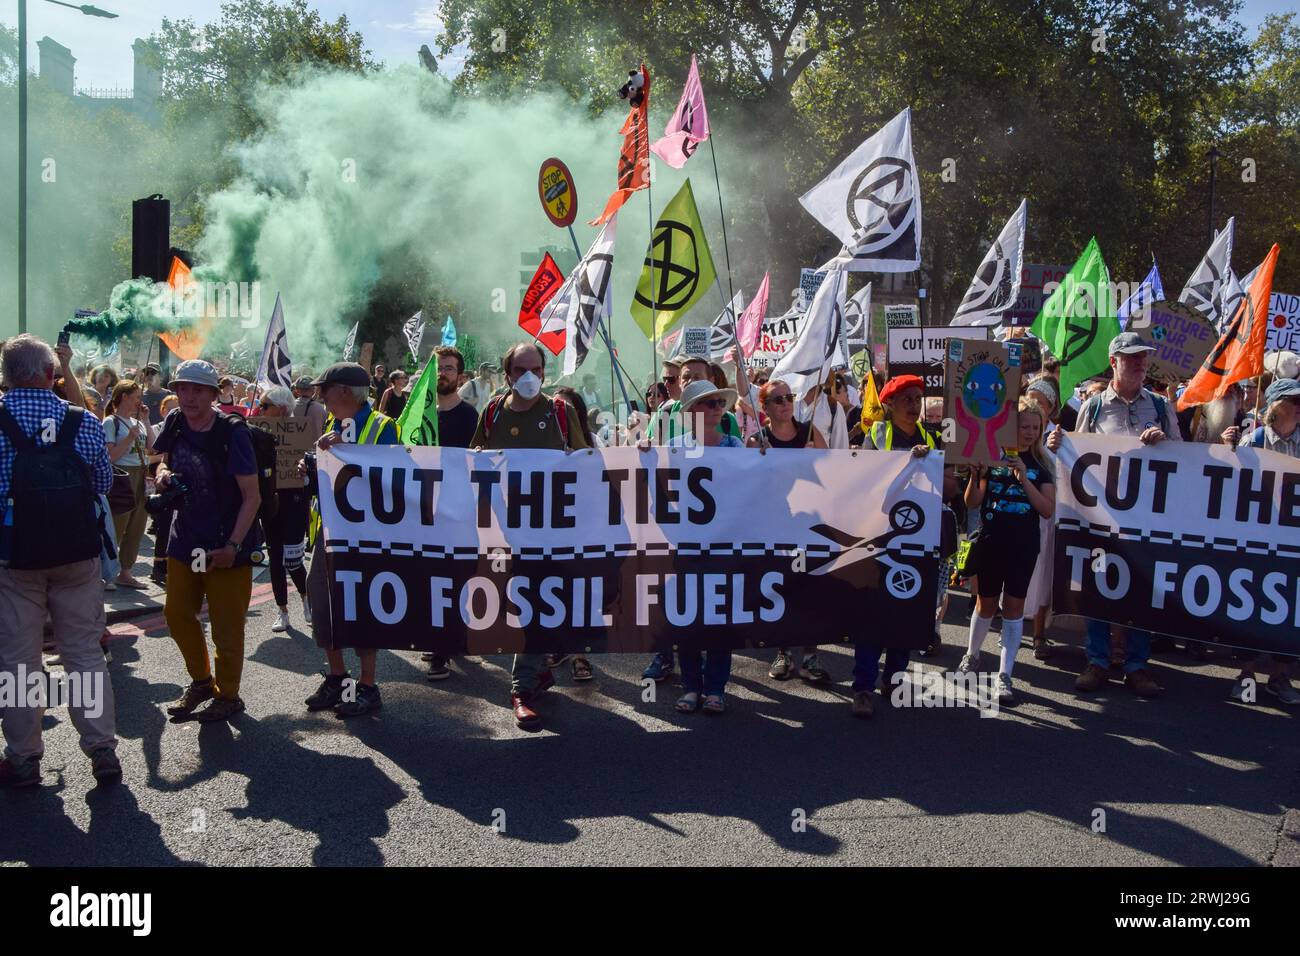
<point>49,561</point>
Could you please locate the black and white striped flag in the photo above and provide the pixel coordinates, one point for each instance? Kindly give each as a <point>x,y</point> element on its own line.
<point>413,329</point>
<point>351,343</point>
<point>275,366</point>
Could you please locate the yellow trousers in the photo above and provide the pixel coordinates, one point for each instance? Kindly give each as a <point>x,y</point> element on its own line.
<point>228,591</point>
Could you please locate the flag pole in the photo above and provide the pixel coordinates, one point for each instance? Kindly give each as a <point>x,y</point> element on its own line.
<point>604,334</point>
<point>650,257</point>
<point>723,216</point>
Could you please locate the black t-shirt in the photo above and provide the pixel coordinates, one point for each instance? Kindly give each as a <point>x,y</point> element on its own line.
<point>152,401</point>
<point>1007,515</point>
<point>456,426</point>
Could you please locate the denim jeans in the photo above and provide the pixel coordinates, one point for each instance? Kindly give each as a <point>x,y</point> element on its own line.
<point>866,665</point>
<point>705,673</point>
<point>1137,646</point>
<point>525,672</point>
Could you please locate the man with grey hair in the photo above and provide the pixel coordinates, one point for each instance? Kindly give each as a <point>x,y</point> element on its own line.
<point>53,465</point>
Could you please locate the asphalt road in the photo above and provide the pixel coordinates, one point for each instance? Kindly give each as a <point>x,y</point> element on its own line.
<point>1190,779</point>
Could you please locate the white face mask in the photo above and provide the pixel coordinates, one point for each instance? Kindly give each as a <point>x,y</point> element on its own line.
<point>528,386</point>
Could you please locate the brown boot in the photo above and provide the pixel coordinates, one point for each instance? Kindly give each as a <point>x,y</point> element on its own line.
<point>1142,684</point>
<point>1092,679</point>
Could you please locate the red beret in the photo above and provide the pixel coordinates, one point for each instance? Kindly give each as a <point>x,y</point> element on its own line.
<point>898,384</point>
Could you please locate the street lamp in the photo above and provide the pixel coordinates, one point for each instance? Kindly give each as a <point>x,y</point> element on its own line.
<point>89,11</point>
<point>1213,155</point>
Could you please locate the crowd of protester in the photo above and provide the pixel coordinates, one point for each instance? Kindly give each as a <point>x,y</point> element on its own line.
<point>171,459</point>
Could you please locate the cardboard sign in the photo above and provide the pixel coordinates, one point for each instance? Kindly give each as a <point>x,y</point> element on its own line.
<point>695,341</point>
<point>902,317</point>
<point>292,441</point>
<point>557,191</point>
<point>1283,323</point>
<point>982,389</point>
<point>922,351</point>
<point>1034,277</point>
<point>775,336</point>
<point>810,280</point>
<point>1181,337</point>
<point>367,353</point>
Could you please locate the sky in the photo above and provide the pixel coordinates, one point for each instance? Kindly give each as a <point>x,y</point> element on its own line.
<point>393,29</point>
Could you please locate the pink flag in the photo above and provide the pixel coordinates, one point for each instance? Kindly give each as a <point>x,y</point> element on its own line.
<point>751,320</point>
<point>689,126</point>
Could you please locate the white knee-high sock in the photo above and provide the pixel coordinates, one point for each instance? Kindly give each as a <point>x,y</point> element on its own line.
<point>979,627</point>
<point>1011,634</point>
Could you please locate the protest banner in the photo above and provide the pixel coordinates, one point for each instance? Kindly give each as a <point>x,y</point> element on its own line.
<point>923,351</point>
<point>1187,539</point>
<point>618,550</point>
<point>902,317</point>
<point>695,340</point>
<point>1036,283</point>
<point>981,392</point>
<point>1181,337</point>
<point>292,441</point>
<point>775,337</point>
<point>1283,323</point>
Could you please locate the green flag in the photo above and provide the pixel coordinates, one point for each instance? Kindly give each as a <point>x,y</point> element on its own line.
<point>418,424</point>
<point>682,266</point>
<point>1078,320</point>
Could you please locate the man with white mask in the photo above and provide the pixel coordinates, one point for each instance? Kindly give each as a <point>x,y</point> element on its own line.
<point>526,418</point>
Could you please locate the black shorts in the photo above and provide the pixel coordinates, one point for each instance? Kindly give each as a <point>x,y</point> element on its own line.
<point>1006,571</point>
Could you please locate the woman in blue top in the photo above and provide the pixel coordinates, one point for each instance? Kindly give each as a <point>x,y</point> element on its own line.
<point>1010,499</point>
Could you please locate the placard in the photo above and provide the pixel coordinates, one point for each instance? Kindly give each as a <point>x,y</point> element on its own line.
<point>1283,323</point>
<point>695,341</point>
<point>982,386</point>
<point>902,317</point>
<point>923,352</point>
<point>292,441</point>
<point>1180,335</point>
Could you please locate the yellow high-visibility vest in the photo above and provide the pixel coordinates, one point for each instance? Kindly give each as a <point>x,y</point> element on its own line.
<point>887,428</point>
<point>369,436</point>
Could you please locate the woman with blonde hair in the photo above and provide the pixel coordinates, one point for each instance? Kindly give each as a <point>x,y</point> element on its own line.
<point>1011,498</point>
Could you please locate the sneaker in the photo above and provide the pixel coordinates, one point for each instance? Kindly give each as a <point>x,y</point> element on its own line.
<point>1281,688</point>
<point>328,694</point>
<point>159,576</point>
<point>306,609</point>
<point>367,702</point>
<point>1006,696</point>
<point>863,705</point>
<point>1041,651</point>
<point>427,656</point>
<point>1238,692</point>
<point>811,670</point>
<point>20,773</point>
<point>1092,679</point>
<point>438,669</point>
<point>1142,684</point>
<point>105,765</point>
<point>221,708</point>
<point>969,663</point>
<point>281,622</point>
<point>660,668</point>
<point>935,647</point>
<point>781,667</point>
<point>110,585</point>
<point>197,693</point>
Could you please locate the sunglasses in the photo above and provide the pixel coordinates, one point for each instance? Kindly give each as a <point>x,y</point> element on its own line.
<point>669,379</point>
<point>714,403</point>
<point>780,400</point>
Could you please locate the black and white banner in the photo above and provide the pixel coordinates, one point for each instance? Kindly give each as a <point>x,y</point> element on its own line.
<point>275,367</point>
<point>621,550</point>
<point>1191,540</point>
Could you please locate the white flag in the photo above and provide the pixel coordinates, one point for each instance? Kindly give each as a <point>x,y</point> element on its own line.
<point>1211,280</point>
<point>275,367</point>
<point>584,299</point>
<point>351,343</point>
<point>413,329</point>
<point>722,334</point>
<point>997,280</point>
<point>872,203</point>
<point>820,346</point>
<point>857,320</point>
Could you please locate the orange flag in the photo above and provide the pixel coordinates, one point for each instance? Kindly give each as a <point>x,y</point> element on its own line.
<point>187,343</point>
<point>634,157</point>
<point>1240,352</point>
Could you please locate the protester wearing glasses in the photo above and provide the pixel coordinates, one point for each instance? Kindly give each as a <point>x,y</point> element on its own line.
<point>705,673</point>
<point>903,399</point>
<point>1011,498</point>
<point>1280,432</point>
<point>782,431</point>
<point>286,530</point>
<point>1123,408</point>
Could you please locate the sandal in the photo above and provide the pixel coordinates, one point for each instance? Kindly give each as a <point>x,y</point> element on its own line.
<point>132,583</point>
<point>582,669</point>
<point>714,704</point>
<point>688,703</point>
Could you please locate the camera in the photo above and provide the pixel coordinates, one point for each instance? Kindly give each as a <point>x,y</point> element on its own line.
<point>170,498</point>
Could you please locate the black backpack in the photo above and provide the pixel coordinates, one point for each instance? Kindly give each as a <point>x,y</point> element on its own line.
<point>51,498</point>
<point>263,452</point>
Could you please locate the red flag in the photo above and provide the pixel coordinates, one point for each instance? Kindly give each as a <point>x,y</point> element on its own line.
<point>545,283</point>
<point>634,157</point>
<point>1240,352</point>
